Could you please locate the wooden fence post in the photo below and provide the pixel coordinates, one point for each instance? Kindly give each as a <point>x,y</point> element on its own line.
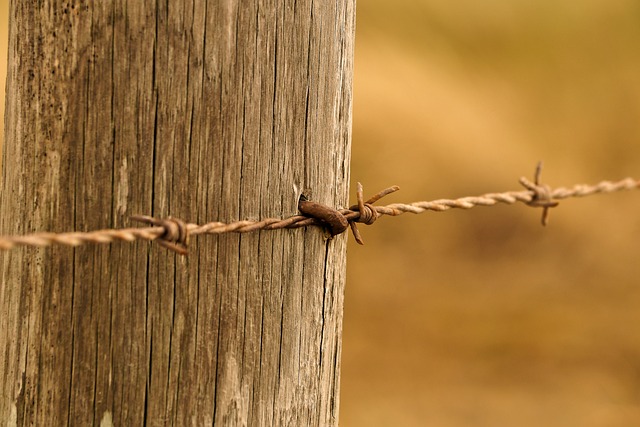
<point>202,110</point>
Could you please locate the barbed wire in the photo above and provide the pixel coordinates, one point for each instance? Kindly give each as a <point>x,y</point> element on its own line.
<point>174,233</point>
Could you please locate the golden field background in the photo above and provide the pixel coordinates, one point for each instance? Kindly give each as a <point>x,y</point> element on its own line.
<point>483,317</point>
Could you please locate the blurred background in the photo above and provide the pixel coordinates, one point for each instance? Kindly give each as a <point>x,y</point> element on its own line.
<point>483,317</point>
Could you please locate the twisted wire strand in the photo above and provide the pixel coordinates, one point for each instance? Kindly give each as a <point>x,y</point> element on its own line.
<point>353,215</point>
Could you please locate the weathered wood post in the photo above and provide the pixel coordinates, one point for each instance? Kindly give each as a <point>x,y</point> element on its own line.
<point>202,110</point>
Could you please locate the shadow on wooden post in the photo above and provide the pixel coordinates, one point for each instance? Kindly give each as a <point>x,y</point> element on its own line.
<point>198,110</point>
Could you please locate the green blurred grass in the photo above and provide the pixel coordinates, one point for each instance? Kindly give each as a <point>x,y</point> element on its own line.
<point>483,317</point>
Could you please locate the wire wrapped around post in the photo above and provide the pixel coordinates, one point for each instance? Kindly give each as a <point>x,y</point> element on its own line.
<point>174,234</point>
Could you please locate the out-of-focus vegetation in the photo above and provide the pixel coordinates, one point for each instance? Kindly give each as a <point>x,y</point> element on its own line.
<point>482,317</point>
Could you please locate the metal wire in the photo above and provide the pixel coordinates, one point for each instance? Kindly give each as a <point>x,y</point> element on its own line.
<point>174,233</point>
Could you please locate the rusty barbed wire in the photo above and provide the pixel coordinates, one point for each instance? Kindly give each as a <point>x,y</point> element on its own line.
<point>174,233</point>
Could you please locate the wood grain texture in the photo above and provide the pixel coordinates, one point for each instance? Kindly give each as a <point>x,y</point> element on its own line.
<point>200,110</point>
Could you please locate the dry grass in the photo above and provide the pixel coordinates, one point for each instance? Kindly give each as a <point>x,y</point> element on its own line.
<point>484,318</point>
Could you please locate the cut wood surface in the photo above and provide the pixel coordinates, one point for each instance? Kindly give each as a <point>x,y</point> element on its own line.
<point>199,110</point>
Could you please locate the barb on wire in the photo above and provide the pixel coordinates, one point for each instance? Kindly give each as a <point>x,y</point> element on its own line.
<point>541,194</point>
<point>174,234</point>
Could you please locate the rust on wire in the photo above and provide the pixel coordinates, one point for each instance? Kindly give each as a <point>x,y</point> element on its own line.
<point>338,221</point>
<point>368,213</point>
<point>174,234</point>
<point>335,221</point>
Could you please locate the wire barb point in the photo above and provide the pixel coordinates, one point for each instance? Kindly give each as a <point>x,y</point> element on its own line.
<point>176,233</point>
<point>367,213</point>
<point>541,194</point>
